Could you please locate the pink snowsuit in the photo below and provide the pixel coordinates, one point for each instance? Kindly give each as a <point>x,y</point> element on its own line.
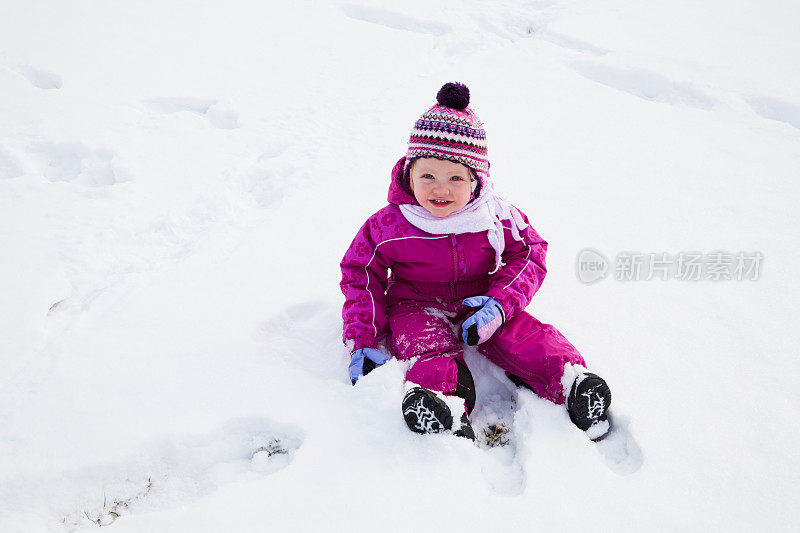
<point>404,286</point>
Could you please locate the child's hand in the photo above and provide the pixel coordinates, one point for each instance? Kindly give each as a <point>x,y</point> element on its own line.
<point>481,324</point>
<point>365,360</point>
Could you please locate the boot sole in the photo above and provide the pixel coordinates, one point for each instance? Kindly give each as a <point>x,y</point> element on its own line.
<point>583,410</point>
<point>425,413</point>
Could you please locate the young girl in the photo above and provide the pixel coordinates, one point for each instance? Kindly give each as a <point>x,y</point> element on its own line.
<point>449,261</point>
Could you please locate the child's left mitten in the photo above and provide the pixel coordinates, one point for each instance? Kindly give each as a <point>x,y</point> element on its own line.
<point>482,324</point>
<point>365,360</point>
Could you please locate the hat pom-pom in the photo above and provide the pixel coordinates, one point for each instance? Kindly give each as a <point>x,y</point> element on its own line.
<point>453,95</point>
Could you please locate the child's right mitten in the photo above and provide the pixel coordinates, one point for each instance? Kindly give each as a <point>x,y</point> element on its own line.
<point>365,360</point>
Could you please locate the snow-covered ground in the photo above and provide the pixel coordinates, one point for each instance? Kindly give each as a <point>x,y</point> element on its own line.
<point>179,180</point>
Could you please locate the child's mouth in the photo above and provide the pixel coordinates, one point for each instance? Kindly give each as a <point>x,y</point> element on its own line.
<point>441,203</point>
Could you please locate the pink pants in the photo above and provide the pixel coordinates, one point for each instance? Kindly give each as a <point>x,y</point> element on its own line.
<point>532,352</point>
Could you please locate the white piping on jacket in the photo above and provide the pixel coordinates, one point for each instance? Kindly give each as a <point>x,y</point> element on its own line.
<point>527,261</point>
<point>366,267</point>
<point>375,251</point>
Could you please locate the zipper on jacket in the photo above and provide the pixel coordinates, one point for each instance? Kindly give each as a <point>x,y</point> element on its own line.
<point>454,256</point>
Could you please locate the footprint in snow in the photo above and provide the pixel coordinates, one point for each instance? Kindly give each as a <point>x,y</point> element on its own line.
<point>394,19</point>
<point>493,420</point>
<point>269,177</point>
<point>774,109</point>
<point>496,434</point>
<point>619,449</point>
<point>9,166</point>
<point>40,78</point>
<point>75,162</point>
<point>175,472</point>
<point>645,84</point>
<point>571,43</point>
<point>218,115</point>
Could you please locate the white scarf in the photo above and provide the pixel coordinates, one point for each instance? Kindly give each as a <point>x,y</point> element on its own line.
<point>485,213</point>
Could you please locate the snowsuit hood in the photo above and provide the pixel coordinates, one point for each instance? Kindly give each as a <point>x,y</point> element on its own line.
<point>399,191</point>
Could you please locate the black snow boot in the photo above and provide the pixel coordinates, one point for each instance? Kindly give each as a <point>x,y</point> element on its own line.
<point>425,412</point>
<point>588,404</point>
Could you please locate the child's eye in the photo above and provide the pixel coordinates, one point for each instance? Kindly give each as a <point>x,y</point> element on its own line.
<point>427,176</point>
<point>456,178</point>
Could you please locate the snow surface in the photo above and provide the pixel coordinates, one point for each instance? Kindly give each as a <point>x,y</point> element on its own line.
<point>178,182</point>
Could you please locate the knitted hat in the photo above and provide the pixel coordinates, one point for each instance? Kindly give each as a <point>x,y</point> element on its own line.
<point>451,130</point>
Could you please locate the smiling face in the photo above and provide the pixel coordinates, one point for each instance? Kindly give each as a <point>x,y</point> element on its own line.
<point>441,187</point>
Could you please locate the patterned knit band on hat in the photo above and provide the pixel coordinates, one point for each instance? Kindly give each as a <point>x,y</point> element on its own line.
<point>451,130</point>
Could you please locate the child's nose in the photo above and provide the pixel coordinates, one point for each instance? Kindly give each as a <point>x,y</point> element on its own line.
<point>440,187</point>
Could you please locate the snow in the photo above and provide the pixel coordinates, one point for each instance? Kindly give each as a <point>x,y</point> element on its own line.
<point>170,309</point>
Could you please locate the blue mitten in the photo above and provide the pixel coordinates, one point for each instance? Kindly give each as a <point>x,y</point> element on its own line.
<point>482,324</point>
<point>364,360</point>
